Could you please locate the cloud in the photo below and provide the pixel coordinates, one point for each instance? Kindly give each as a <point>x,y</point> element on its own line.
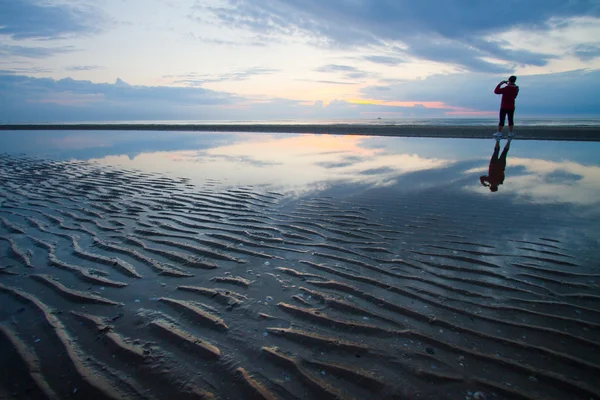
<point>22,71</point>
<point>457,53</point>
<point>196,79</point>
<point>344,161</point>
<point>385,60</point>
<point>427,29</point>
<point>347,71</point>
<point>326,82</point>
<point>83,67</point>
<point>378,171</point>
<point>207,156</point>
<point>553,181</point>
<point>255,41</point>
<point>33,52</point>
<point>501,49</point>
<point>28,99</point>
<point>86,145</point>
<point>560,94</point>
<point>28,19</point>
<point>336,68</point>
<point>587,52</point>
<point>562,177</point>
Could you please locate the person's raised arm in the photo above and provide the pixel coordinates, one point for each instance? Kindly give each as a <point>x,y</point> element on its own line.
<point>499,90</point>
<point>483,179</point>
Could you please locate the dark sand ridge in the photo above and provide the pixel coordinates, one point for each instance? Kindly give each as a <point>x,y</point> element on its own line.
<point>579,133</point>
<point>202,292</point>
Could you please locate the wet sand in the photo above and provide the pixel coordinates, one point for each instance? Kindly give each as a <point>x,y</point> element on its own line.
<point>580,133</point>
<point>120,284</point>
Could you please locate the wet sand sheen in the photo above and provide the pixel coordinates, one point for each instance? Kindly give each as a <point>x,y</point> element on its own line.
<point>539,132</point>
<point>175,291</point>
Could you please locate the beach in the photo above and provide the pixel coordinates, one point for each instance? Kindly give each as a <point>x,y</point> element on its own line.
<point>537,132</point>
<point>299,200</point>
<point>118,282</point>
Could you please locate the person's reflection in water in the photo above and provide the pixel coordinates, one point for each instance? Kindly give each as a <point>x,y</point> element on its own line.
<point>495,174</point>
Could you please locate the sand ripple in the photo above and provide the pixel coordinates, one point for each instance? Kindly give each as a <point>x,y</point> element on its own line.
<point>120,284</point>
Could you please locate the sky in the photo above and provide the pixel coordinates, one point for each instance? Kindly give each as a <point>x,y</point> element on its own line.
<point>161,60</point>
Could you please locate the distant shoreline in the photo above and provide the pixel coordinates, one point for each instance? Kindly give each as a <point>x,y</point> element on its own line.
<point>574,133</point>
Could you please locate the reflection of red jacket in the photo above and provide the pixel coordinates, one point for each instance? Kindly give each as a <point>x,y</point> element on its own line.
<point>509,94</point>
<point>495,174</point>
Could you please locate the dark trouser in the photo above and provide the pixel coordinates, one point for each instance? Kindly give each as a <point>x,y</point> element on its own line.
<point>503,113</point>
<point>502,159</point>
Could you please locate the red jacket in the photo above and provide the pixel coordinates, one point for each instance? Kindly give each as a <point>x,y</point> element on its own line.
<point>509,94</point>
<point>495,174</point>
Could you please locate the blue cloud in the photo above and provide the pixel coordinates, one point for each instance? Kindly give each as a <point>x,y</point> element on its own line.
<point>587,52</point>
<point>195,79</point>
<point>431,29</point>
<point>24,71</point>
<point>33,52</point>
<point>83,67</point>
<point>385,60</point>
<point>499,49</point>
<point>327,82</point>
<point>378,171</point>
<point>456,53</point>
<point>348,71</point>
<point>253,42</point>
<point>27,99</point>
<point>54,144</point>
<point>27,19</point>
<point>337,68</point>
<point>560,94</point>
<point>562,177</point>
<point>30,100</point>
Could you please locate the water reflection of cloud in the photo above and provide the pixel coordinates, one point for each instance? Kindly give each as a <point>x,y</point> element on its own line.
<point>203,156</point>
<point>346,161</point>
<point>544,181</point>
<point>77,142</point>
<point>85,145</point>
<point>562,177</point>
<point>344,157</point>
<point>302,163</point>
<point>378,171</point>
<point>336,164</point>
<point>324,152</point>
<point>289,163</point>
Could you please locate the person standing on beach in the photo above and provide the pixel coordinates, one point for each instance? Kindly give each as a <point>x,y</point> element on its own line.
<point>497,166</point>
<point>507,106</point>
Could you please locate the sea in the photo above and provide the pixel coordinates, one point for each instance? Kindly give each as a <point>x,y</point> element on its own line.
<point>538,121</point>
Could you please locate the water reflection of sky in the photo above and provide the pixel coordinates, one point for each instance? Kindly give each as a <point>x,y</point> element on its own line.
<point>536,171</point>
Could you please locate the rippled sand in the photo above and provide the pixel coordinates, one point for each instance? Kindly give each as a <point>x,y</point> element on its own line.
<point>120,284</point>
